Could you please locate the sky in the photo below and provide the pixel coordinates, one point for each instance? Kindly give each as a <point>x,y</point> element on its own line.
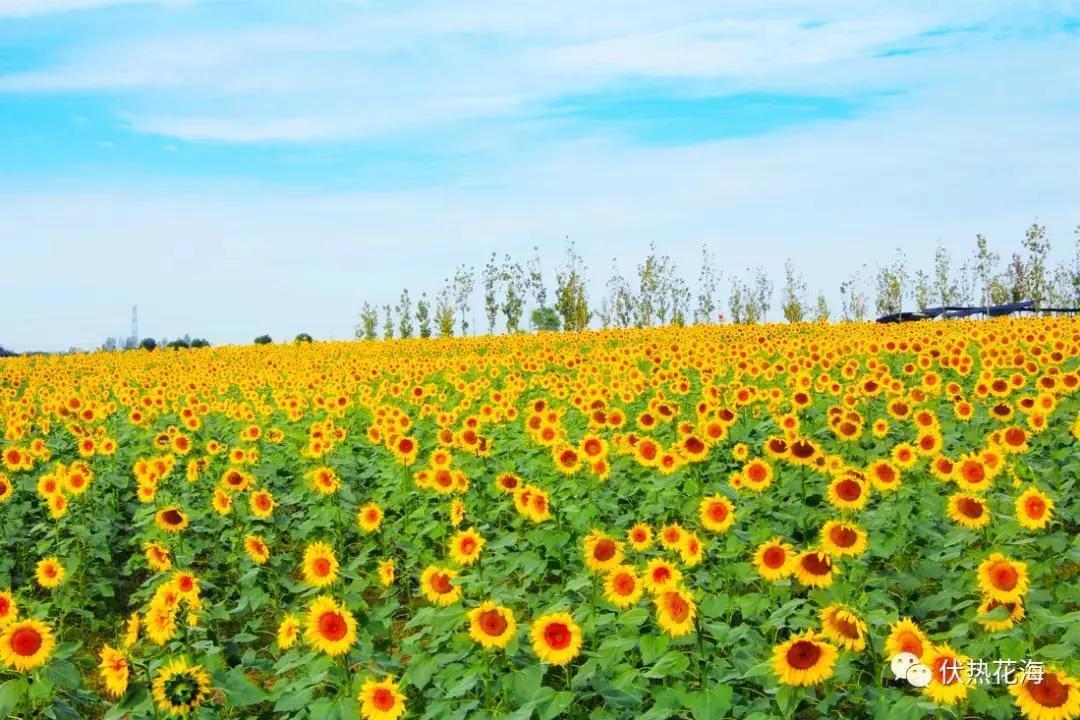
<point>239,168</point>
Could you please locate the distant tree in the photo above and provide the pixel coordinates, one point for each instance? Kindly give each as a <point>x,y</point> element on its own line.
<point>1037,245</point>
<point>1067,278</point>
<point>708,285</point>
<point>890,281</point>
<point>571,301</point>
<point>680,301</point>
<point>179,343</point>
<point>945,287</point>
<point>130,343</point>
<point>821,308</point>
<point>110,345</point>
<point>984,267</point>
<point>620,299</point>
<point>405,312</point>
<point>923,291</point>
<point>4,352</point>
<point>200,343</point>
<point>1013,285</point>
<point>148,344</point>
<point>369,319</point>
<point>444,311</point>
<point>737,301</point>
<point>513,279</point>
<point>794,307</point>
<point>762,295</point>
<point>303,338</point>
<point>853,299</point>
<point>464,282</point>
<point>536,279</point>
<point>388,323</point>
<point>423,315</point>
<point>263,340</point>
<point>654,288</point>
<point>545,319</point>
<point>490,279</point>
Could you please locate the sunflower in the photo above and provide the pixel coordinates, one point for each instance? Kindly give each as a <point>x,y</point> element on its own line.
<point>1013,613</point>
<point>1034,510</point>
<point>369,517</point>
<point>968,511</point>
<point>465,547</point>
<point>180,687</point>
<point>323,480</point>
<point>7,488</point>
<point>256,549</point>
<point>675,611</point>
<point>221,502</point>
<point>330,627</point>
<point>971,473</point>
<point>848,492</point>
<point>602,553</point>
<point>157,556</point>
<point>841,539</point>
<point>320,565</point>
<point>1054,696</point>
<point>844,627</point>
<point>381,700</point>
<point>49,572</point>
<point>691,550</point>
<point>716,513</point>
<point>114,670</point>
<point>623,587</point>
<point>288,631</point>
<point>508,482</point>
<point>556,638</point>
<point>1003,579</point>
<point>386,573</point>
<point>8,609</point>
<point>171,519</point>
<point>774,559</point>
<point>26,645</point>
<point>261,504</point>
<point>131,630</point>
<point>437,585</point>
<point>884,475</point>
<point>660,575</point>
<point>814,568</point>
<point>671,535</point>
<point>949,677</point>
<point>757,475</point>
<point>805,659</point>
<point>905,636</point>
<point>491,625</point>
<point>640,537</point>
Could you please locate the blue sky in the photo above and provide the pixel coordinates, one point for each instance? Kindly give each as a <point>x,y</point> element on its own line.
<point>239,168</point>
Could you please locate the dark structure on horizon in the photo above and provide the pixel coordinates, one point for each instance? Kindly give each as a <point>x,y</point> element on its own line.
<point>962,311</point>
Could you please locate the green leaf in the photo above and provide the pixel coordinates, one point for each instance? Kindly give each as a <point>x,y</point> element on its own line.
<point>464,685</point>
<point>558,704</point>
<point>11,693</point>
<point>64,674</point>
<point>239,689</point>
<point>709,704</point>
<point>672,663</point>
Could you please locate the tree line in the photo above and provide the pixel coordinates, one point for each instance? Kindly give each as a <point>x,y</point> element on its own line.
<point>658,294</point>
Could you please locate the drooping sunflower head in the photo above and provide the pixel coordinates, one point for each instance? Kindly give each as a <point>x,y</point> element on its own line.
<point>171,519</point>
<point>843,626</point>
<point>814,568</point>
<point>180,688</point>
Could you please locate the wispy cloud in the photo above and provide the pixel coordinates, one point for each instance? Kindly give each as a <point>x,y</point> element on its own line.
<point>29,8</point>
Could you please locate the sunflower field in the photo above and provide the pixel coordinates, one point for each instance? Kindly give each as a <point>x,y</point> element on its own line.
<point>705,522</point>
